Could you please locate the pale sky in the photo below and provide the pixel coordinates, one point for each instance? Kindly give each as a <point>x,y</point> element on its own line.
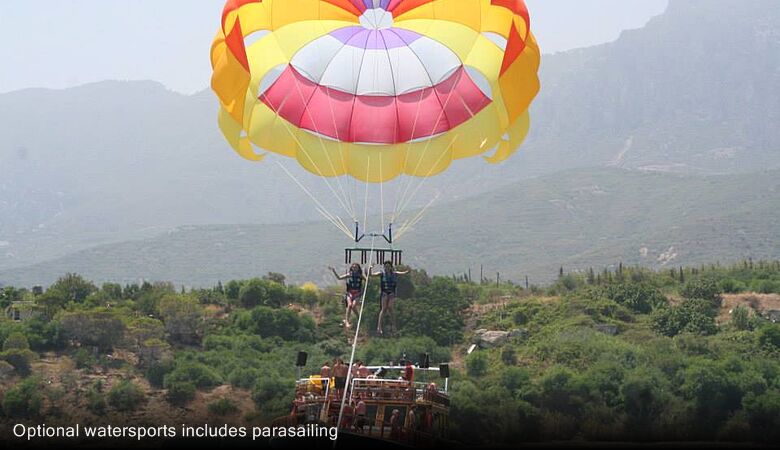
<point>63,43</point>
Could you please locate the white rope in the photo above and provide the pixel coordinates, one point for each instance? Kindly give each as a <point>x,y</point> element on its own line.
<point>320,208</point>
<point>409,224</point>
<point>357,332</point>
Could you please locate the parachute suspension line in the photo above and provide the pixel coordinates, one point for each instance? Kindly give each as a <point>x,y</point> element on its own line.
<point>335,220</point>
<point>397,213</point>
<point>357,332</point>
<point>300,146</point>
<point>427,176</point>
<point>346,202</point>
<point>365,201</point>
<point>405,203</point>
<point>311,160</point>
<point>409,224</point>
<point>381,195</point>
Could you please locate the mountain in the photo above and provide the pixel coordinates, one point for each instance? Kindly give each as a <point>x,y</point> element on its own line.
<point>693,92</point>
<point>575,219</point>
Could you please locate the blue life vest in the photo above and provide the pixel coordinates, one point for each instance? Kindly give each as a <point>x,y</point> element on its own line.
<point>389,281</point>
<point>355,281</point>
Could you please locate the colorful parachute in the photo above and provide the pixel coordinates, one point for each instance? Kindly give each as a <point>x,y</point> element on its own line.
<point>375,89</point>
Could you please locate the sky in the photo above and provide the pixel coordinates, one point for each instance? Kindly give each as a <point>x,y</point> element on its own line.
<point>64,43</point>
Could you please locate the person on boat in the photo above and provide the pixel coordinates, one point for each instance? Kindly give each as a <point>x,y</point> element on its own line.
<point>409,373</point>
<point>395,425</point>
<point>360,414</point>
<point>362,370</point>
<point>355,279</point>
<point>340,371</point>
<point>325,376</point>
<point>388,286</point>
<point>411,423</point>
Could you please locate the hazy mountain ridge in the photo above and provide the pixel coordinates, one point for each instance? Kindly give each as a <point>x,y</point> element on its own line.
<point>578,219</point>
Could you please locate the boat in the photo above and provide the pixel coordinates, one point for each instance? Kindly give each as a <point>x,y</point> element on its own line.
<point>398,412</point>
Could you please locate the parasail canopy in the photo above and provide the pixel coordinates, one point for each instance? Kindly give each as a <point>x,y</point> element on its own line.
<point>375,89</point>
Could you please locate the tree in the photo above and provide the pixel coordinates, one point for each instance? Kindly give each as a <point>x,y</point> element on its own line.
<point>126,396</point>
<point>692,315</point>
<point>477,364</point>
<point>703,288</point>
<point>98,328</point>
<point>253,293</point>
<point>73,288</point>
<point>183,317</point>
<point>16,341</point>
<point>639,297</point>
<point>275,277</point>
<point>24,400</point>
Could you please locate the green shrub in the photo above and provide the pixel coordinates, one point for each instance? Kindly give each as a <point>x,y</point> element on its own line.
<point>222,407</point>
<point>244,377</point>
<point>740,318</point>
<point>84,358</point>
<point>271,395</point>
<point>769,336</point>
<point>692,315</point>
<point>703,288</point>
<point>477,363</point>
<point>155,374</point>
<point>24,400</point>
<point>200,375</point>
<point>732,286</point>
<point>641,298</point>
<point>16,341</point>
<point>126,396</point>
<point>20,359</point>
<point>96,401</point>
<point>180,392</point>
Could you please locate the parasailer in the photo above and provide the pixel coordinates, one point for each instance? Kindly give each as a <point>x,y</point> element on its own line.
<point>354,281</point>
<point>388,285</point>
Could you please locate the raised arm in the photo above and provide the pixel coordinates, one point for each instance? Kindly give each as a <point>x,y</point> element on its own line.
<point>338,277</point>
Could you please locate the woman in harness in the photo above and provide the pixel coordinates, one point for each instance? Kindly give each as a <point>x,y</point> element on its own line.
<point>355,278</point>
<point>389,284</point>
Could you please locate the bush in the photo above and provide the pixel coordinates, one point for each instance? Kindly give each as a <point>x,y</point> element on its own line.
<point>98,328</point>
<point>285,323</point>
<point>693,316</point>
<point>200,375</point>
<point>24,400</point>
<point>223,407</point>
<point>155,374</point>
<point>96,401</point>
<point>20,359</point>
<point>16,341</point>
<point>244,377</point>
<point>769,336</point>
<point>740,318</point>
<point>641,298</point>
<point>271,394</point>
<point>477,363</point>
<point>180,392</point>
<point>126,396</point>
<point>84,358</point>
<point>703,288</point>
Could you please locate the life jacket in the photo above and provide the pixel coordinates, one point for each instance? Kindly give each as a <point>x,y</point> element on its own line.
<point>355,281</point>
<point>388,282</point>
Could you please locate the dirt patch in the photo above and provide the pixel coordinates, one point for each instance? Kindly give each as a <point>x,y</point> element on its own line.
<point>758,303</point>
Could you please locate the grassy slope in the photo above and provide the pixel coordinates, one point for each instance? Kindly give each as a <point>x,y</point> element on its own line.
<point>590,217</point>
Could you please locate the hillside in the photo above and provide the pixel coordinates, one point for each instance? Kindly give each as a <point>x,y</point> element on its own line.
<point>627,356</point>
<point>576,219</point>
<point>113,161</point>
